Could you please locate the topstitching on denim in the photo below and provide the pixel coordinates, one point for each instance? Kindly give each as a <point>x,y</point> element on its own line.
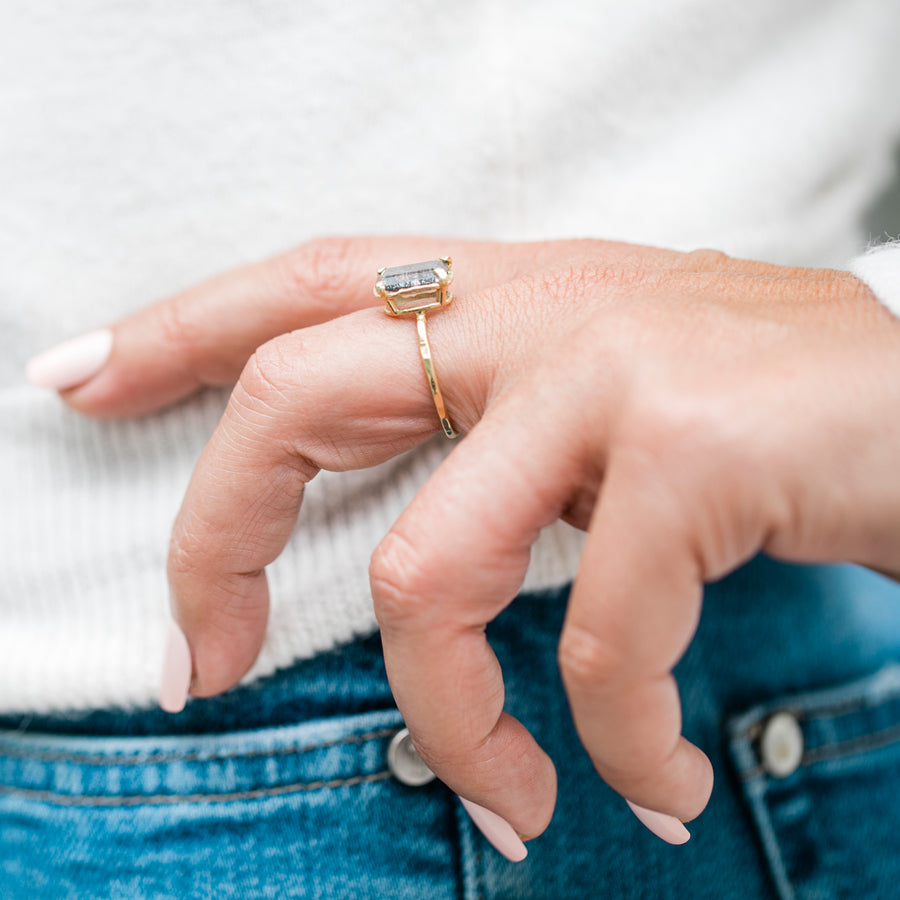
<point>199,769</point>
<point>851,736</point>
<point>836,723</point>
<point>157,799</point>
<point>145,758</point>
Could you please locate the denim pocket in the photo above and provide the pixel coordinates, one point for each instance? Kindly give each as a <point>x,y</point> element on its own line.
<point>821,774</point>
<point>306,810</point>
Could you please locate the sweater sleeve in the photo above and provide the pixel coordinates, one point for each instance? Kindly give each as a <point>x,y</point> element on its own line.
<point>879,268</point>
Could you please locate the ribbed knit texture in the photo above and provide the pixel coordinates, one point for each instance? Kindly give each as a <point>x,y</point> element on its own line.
<point>96,560</point>
<point>145,146</point>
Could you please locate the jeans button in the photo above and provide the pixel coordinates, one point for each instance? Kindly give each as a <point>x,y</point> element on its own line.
<point>405,763</point>
<point>781,745</point>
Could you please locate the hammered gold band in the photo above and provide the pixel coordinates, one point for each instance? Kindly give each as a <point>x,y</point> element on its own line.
<point>428,363</point>
<point>415,289</point>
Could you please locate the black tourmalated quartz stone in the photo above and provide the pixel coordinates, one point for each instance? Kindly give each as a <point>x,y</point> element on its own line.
<point>399,278</point>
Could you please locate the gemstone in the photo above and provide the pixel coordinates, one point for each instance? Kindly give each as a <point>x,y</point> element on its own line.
<point>401,278</point>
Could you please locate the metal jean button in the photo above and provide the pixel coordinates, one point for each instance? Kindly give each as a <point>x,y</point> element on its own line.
<point>405,763</point>
<point>781,745</point>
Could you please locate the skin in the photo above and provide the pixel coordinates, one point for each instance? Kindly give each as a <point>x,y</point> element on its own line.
<point>687,410</point>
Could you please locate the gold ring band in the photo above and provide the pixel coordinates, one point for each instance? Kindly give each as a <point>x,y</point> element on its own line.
<point>428,363</point>
<point>415,289</point>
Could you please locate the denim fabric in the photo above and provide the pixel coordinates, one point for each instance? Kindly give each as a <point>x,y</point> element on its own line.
<point>821,822</point>
<point>281,789</point>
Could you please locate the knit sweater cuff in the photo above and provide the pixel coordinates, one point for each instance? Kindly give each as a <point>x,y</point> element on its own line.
<point>879,268</point>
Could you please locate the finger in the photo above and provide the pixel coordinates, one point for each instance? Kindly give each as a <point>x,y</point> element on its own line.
<point>633,610</point>
<point>454,559</point>
<point>205,335</point>
<point>305,401</point>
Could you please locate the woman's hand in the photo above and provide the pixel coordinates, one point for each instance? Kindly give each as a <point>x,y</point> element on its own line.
<point>688,410</point>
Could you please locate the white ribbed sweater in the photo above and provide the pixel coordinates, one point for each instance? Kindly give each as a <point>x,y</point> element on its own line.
<point>145,146</point>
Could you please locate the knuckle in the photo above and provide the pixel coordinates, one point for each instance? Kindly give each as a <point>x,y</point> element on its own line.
<point>318,272</point>
<point>401,585</point>
<point>183,334</point>
<point>269,374</point>
<point>686,425</point>
<point>586,661</point>
<point>269,413</point>
<point>705,259</point>
<point>667,429</point>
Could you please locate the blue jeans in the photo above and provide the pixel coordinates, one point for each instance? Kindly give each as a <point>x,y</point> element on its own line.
<point>281,788</point>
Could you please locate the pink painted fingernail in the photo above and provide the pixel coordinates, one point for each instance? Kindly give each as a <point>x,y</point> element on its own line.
<point>498,831</point>
<point>176,670</point>
<point>663,826</point>
<point>72,362</point>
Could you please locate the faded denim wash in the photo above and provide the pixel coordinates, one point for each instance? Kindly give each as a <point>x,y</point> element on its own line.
<point>281,788</point>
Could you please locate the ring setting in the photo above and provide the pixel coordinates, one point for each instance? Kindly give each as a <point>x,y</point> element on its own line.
<point>414,290</point>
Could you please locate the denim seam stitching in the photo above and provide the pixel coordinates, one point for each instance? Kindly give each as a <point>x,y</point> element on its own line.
<point>162,799</point>
<point>98,759</point>
<point>823,712</point>
<point>872,741</point>
<point>836,708</point>
<point>875,740</point>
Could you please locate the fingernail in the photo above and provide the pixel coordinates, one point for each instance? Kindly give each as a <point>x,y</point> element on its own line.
<point>663,826</point>
<point>498,831</point>
<point>72,362</point>
<point>176,670</point>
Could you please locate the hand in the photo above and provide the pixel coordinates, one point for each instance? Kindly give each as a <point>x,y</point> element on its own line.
<point>688,410</point>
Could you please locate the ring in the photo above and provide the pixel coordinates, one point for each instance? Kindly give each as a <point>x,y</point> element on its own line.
<point>413,290</point>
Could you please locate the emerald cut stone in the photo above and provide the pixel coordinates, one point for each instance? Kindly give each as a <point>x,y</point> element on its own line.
<point>414,288</point>
<point>401,278</point>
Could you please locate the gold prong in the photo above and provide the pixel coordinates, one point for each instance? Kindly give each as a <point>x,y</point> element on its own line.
<point>380,272</point>
<point>379,289</point>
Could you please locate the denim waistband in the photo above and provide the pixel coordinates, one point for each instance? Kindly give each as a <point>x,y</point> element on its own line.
<point>243,765</point>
